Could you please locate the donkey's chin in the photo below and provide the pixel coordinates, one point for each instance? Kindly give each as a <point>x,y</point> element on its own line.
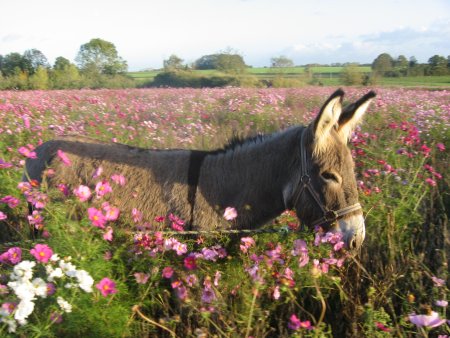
<point>353,230</point>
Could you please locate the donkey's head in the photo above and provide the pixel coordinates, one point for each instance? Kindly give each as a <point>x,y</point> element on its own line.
<point>327,194</point>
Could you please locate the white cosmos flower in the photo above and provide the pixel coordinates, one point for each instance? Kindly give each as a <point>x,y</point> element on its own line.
<point>40,287</point>
<point>64,305</point>
<point>23,271</point>
<point>55,273</point>
<point>23,289</point>
<point>85,280</point>
<point>67,267</point>
<point>23,310</point>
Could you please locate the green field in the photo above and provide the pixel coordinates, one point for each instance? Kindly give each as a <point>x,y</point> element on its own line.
<point>328,76</point>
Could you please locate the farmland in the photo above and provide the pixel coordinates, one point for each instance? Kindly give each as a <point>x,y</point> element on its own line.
<point>325,75</point>
<point>124,280</point>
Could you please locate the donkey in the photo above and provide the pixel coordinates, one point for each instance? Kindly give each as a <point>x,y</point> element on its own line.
<point>306,168</point>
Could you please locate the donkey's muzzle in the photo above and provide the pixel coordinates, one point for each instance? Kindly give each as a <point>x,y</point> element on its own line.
<point>353,231</point>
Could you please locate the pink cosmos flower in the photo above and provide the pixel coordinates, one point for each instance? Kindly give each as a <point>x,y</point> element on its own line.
<point>9,307</point>
<point>108,235</point>
<point>27,152</point>
<point>5,165</point>
<point>11,201</point>
<point>230,214</point>
<point>141,278</point>
<point>136,215</point>
<point>177,223</point>
<point>167,272</point>
<point>191,280</point>
<point>42,252</point>
<point>106,287</point>
<point>63,157</point>
<point>208,295</point>
<point>36,219</point>
<point>431,182</point>
<point>97,172</point>
<point>441,303</point>
<point>276,292</point>
<point>102,188</point>
<point>111,213</point>
<point>3,216</point>
<point>440,146</point>
<point>438,281</point>
<point>247,242</point>
<point>119,179</point>
<point>83,193</point>
<point>431,320</point>
<point>97,218</point>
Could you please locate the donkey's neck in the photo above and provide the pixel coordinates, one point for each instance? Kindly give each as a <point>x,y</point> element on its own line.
<point>251,177</point>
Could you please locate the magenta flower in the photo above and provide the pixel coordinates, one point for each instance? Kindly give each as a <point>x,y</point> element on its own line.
<point>296,324</point>
<point>208,295</point>
<point>230,214</point>
<point>190,262</point>
<point>51,289</point>
<point>111,213</point>
<point>63,157</point>
<point>64,189</point>
<point>42,252</point>
<point>9,307</point>
<point>3,216</point>
<point>382,327</point>
<point>83,193</point>
<point>431,320</point>
<point>97,218</point>
<point>106,287</point>
<point>102,188</point>
<point>441,303</point>
<point>12,256</point>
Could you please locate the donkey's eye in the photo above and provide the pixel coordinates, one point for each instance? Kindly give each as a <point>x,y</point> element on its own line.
<point>329,176</point>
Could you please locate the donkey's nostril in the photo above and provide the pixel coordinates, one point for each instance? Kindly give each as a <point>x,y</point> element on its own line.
<point>353,244</point>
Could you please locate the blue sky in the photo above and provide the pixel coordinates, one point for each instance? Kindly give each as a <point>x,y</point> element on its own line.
<point>146,32</point>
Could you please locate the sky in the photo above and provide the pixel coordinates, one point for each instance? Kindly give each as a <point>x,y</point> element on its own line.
<point>146,32</point>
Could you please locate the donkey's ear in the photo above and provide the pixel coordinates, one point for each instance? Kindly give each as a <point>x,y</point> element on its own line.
<point>352,114</point>
<point>327,119</point>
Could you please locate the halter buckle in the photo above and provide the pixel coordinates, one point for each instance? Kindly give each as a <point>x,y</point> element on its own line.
<point>331,216</point>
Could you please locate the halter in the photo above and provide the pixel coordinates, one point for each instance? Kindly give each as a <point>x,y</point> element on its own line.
<point>329,216</point>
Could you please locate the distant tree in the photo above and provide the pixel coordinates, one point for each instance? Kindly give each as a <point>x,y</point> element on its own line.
<point>33,59</point>
<point>12,64</point>
<point>61,63</point>
<point>173,63</point>
<point>383,64</point>
<point>39,80</point>
<point>412,62</point>
<point>351,75</point>
<point>438,65</point>
<point>100,57</point>
<point>229,62</point>
<point>281,62</point>
<point>65,74</point>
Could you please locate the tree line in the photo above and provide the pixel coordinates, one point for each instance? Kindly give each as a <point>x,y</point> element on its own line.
<point>98,65</point>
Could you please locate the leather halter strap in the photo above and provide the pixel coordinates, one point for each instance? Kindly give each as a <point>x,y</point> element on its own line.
<point>329,216</point>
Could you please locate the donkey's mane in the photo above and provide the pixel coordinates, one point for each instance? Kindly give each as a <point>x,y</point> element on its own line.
<point>237,141</point>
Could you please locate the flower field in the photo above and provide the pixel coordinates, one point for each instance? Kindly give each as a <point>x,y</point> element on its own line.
<point>74,269</point>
